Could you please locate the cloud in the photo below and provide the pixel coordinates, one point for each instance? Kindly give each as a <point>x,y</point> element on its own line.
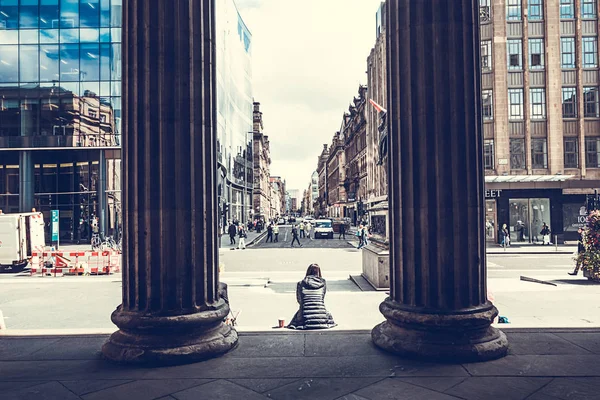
<point>308,59</point>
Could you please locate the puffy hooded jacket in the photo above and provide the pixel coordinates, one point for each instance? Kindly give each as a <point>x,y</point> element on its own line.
<point>310,293</point>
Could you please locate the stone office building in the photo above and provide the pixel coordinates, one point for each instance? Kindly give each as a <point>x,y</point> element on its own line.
<point>539,61</point>
<point>354,134</point>
<point>261,196</point>
<point>336,175</point>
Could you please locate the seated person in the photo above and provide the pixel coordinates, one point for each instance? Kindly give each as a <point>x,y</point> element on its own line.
<point>310,293</point>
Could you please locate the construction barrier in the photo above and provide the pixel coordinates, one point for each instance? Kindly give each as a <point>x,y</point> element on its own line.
<point>74,263</point>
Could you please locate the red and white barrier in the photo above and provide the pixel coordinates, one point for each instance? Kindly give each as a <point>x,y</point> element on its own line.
<point>74,263</point>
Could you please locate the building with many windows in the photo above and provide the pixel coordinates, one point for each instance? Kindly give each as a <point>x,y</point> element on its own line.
<point>234,114</point>
<point>60,112</point>
<point>540,105</point>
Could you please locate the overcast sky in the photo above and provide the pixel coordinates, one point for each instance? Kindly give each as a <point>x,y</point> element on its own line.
<point>308,59</point>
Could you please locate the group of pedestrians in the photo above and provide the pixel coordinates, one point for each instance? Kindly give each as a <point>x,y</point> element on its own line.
<point>363,235</point>
<point>236,229</point>
<point>504,234</point>
<point>272,230</point>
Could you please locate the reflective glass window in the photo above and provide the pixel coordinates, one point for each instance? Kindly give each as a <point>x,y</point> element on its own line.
<point>49,17</point>
<point>115,69</point>
<point>89,88</point>
<point>49,36</point>
<point>9,37</point>
<point>9,14</point>
<point>28,14</point>
<point>29,71</point>
<point>9,63</point>
<point>28,36</point>
<point>105,63</point>
<point>115,12</point>
<point>69,35</point>
<point>69,62</point>
<point>104,89</point>
<point>105,35</point>
<point>89,35</point>
<point>104,12</point>
<point>90,62</point>
<point>69,13</point>
<point>89,13</point>
<point>49,60</point>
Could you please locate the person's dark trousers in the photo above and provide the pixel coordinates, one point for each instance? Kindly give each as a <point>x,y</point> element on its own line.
<point>342,235</point>
<point>301,234</point>
<point>231,239</point>
<point>269,237</point>
<point>276,236</point>
<point>295,239</point>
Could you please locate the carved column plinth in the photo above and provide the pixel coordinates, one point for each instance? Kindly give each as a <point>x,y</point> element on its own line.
<point>438,305</point>
<point>172,311</point>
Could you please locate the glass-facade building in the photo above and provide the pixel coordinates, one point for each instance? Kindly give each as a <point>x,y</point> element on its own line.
<point>234,113</point>
<point>60,111</point>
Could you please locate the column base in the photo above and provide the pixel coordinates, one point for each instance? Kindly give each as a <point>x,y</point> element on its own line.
<point>460,337</point>
<point>171,340</point>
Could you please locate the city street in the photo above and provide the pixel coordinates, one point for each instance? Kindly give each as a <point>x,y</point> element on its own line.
<point>262,283</point>
<point>285,241</point>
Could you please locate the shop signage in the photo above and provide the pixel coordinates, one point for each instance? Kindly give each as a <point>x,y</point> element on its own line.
<point>574,217</point>
<point>55,225</point>
<point>492,194</point>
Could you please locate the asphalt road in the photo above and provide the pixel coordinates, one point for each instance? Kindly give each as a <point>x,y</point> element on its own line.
<point>285,241</point>
<point>262,285</point>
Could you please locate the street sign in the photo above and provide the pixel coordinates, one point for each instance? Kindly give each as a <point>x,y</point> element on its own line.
<point>55,225</point>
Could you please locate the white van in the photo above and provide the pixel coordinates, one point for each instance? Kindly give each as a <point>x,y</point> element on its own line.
<point>20,236</point>
<point>323,228</point>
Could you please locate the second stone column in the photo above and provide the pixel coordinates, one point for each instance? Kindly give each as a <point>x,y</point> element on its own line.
<point>438,306</point>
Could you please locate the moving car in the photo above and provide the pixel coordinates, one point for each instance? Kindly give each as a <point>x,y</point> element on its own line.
<point>323,228</point>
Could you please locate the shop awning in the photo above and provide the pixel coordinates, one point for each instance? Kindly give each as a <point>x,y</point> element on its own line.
<point>526,178</point>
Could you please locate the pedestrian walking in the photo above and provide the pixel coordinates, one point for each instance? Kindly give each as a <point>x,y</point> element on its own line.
<point>232,230</point>
<point>545,232</point>
<point>308,228</point>
<point>269,234</point>
<point>360,233</point>
<point>302,230</point>
<point>276,233</point>
<point>342,231</point>
<point>504,236</point>
<point>295,236</point>
<point>242,235</point>
<point>580,249</point>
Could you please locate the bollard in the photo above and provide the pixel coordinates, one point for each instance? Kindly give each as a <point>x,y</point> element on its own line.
<point>555,242</point>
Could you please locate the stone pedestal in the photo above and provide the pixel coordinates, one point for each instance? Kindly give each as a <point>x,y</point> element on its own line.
<point>172,311</point>
<point>376,265</point>
<point>437,306</point>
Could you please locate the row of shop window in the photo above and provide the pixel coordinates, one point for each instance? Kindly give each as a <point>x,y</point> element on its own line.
<point>539,153</point>
<point>537,103</point>
<point>535,9</point>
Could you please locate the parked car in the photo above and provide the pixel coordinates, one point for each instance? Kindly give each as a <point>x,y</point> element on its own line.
<point>281,221</point>
<point>323,228</point>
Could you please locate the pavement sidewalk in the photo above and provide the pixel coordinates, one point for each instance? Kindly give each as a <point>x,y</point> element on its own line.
<point>542,364</point>
<point>252,238</point>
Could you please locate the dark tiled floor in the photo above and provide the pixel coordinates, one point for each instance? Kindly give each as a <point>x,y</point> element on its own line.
<point>542,364</point>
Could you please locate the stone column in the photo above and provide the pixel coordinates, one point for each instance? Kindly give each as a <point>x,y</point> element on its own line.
<point>172,310</point>
<point>438,306</point>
